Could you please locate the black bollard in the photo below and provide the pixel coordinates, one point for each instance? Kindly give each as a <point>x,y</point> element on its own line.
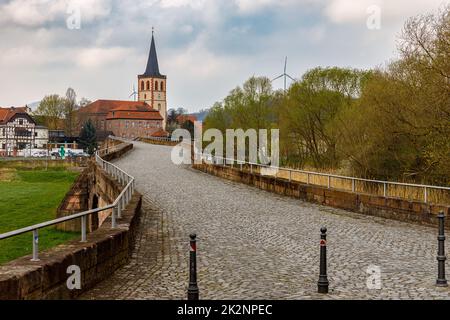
<point>441,281</point>
<point>193,288</point>
<point>323,280</point>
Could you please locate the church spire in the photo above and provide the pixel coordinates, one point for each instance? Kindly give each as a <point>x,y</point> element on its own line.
<point>152,69</point>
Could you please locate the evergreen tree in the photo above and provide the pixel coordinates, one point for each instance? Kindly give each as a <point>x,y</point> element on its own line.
<point>88,137</point>
<point>189,126</point>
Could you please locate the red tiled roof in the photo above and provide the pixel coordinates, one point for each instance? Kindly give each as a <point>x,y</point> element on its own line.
<point>3,113</point>
<point>104,106</point>
<point>134,107</point>
<point>137,115</point>
<point>160,133</point>
<point>8,113</point>
<point>182,118</point>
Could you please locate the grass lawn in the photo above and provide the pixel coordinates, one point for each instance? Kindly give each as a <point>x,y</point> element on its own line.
<point>28,197</point>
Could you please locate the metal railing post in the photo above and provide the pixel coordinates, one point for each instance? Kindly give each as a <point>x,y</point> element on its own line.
<point>35,245</point>
<point>384,190</point>
<point>119,209</point>
<point>83,229</point>
<point>113,218</point>
<point>329,182</point>
<point>353,185</point>
<point>290,175</point>
<point>425,194</point>
<point>307,178</point>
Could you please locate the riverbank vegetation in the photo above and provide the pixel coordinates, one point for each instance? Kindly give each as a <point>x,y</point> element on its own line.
<point>391,122</point>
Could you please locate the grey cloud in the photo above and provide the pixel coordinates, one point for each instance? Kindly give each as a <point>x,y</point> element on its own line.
<point>205,49</point>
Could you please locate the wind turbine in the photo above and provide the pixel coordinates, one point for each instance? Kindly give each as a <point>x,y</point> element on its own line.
<point>284,74</point>
<point>134,93</point>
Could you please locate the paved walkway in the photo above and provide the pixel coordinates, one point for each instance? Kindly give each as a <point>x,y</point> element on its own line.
<point>258,245</point>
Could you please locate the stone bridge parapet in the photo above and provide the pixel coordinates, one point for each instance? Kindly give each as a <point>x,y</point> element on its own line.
<point>386,207</point>
<point>104,252</point>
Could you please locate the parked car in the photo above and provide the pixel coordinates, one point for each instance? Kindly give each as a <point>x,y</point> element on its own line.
<point>71,154</point>
<point>40,154</point>
<point>84,154</point>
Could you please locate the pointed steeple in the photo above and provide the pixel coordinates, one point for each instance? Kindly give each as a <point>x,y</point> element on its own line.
<point>152,69</point>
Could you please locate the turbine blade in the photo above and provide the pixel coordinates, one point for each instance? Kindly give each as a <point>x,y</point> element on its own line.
<point>291,77</point>
<point>278,77</point>
<point>285,63</point>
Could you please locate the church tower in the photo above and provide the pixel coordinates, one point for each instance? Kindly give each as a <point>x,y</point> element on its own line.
<point>152,84</point>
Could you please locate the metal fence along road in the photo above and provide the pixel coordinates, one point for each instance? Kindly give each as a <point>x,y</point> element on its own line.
<point>117,206</point>
<point>410,191</point>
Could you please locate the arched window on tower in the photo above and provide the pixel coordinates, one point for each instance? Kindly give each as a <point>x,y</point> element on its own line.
<point>162,86</point>
<point>156,85</point>
<point>142,85</point>
<point>148,85</point>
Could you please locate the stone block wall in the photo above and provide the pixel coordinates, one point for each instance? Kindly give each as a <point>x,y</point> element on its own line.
<point>159,142</point>
<point>392,208</point>
<point>93,181</point>
<point>105,251</point>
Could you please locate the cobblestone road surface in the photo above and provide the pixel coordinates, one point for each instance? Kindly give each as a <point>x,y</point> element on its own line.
<point>257,245</point>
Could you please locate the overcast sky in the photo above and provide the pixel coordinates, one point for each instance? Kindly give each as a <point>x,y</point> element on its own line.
<point>205,47</point>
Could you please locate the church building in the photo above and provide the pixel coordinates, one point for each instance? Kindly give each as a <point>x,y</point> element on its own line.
<point>133,119</point>
<point>152,84</point>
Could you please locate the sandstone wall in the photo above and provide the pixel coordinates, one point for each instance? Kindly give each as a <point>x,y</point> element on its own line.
<point>104,252</point>
<point>159,142</point>
<point>92,183</point>
<point>393,208</point>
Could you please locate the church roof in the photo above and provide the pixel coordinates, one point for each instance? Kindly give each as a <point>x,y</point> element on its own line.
<point>152,69</point>
<point>104,106</point>
<point>117,109</point>
<point>134,115</point>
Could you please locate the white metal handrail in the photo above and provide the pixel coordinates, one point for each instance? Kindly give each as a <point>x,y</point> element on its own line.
<point>117,206</point>
<point>160,139</point>
<point>224,161</point>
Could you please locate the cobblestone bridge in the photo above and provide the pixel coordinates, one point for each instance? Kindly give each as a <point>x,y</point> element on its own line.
<point>256,245</point>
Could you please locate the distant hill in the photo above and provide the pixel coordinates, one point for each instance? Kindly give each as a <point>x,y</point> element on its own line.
<point>201,115</point>
<point>33,105</point>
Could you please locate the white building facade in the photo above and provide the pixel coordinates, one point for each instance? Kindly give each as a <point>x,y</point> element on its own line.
<point>18,131</point>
